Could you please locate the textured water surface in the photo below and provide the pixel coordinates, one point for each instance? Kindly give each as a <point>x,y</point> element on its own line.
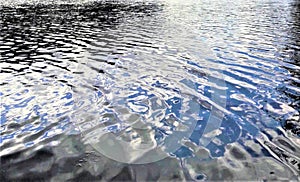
<point>150,90</point>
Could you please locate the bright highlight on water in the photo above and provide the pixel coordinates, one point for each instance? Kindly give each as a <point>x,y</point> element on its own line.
<point>157,90</point>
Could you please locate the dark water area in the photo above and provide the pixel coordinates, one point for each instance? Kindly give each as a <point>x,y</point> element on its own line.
<point>152,90</point>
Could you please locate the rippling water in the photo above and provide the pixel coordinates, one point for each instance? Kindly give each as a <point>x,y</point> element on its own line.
<point>150,90</point>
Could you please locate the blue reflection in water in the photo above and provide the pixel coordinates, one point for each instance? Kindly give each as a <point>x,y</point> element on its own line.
<point>72,73</point>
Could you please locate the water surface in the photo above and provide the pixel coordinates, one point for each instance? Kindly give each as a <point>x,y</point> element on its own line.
<point>185,90</point>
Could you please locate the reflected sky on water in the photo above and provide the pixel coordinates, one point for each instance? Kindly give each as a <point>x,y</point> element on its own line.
<point>149,90</point>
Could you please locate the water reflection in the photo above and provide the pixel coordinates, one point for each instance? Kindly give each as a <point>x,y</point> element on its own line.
<point>214,85</point>
<point>291,55</point>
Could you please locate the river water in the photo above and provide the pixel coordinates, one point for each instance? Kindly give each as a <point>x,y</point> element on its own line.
<point>150,90</point>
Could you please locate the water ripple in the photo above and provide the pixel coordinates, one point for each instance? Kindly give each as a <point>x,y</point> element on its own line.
<point>183,89</point>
